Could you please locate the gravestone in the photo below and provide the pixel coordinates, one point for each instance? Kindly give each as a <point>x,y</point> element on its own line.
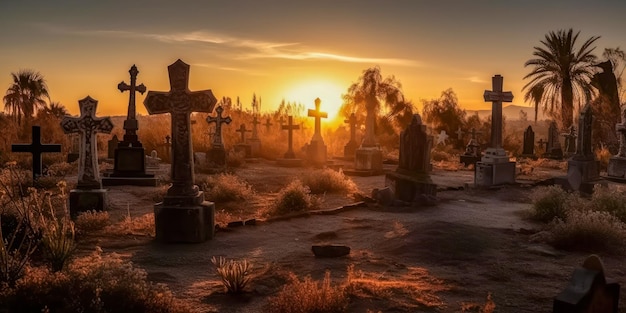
<point>73,155</point>
<point>268,125</point>
<point>528,147</point>
<point>583,170</point>
<point>88,195</point>
<point>588,291</point>
<point>217,154</point>
<point>349,150</point>
<point>411,181</point>
<point>290,159</point>
<point>254,142</point>
<point>617,163</point>
<point>167,147</point>
<point>243,146</point>
<point>184,215</point>
<point>472,152</point>
<point>153,162</point>
<point>111,146</point>
<point>36,148</point>
<point>368,159</point>
<point>494,167</point>
<point>129,165</point>
<point>553,147</point>
<point>570,141</point>
<point>316,149</point>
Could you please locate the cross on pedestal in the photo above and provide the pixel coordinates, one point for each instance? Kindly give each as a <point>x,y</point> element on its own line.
<point>290,127</point>
<point>242,129</point>
<point>459,133</point>
<point>318,115</point>
<point>255,122</point>
<point>36,148</point>
<point>268,125</point>
<point>180,102</point>
<point>87,125</point>
<point>130,124</point>
<point>218,120</point>
<point>352,122</point>
<point>496,97</point>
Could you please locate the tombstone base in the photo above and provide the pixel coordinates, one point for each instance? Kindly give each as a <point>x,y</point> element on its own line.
<point>216,157</point>
<point>316,153</point>
<point>255,147</point>
<point>588,291</point>
<point>147,180</point>
<point>582,175</point>
<point>368,159</point>
<point>409,187</point>
<point>349,150</point>
<point>617,168</point>
<point>129,161</point>
<point>469,159</point>
<point>189,221</point>
<point>82,200</point>
<point>289,162</point>
<point>245,148</point>
<point>493,174</point>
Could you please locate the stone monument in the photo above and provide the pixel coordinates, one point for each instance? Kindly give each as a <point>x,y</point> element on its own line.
<point>553,147</point>
<point>111,146</point>
<point>368,159</point>
<point>411,181</point>
<point>254,141</point>
<point>472,149</point>
<point>217,154</point>
<point>617,163</point>
<point>129,165</point>
<point>528,148</point>
<point>290,159</point>
<point>349,150</point>
<point>494,167</point>
<point>243,146</point>
<point>36,148</point>
<point>88,195</point>
<point>316,149</point>
<point>184,215</point>
<point>570,141</point>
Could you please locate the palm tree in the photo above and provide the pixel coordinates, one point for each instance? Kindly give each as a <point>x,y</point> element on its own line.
<point>26,94</point>
<point>562,72</point>
<point>535,94</point>
<point>55,109</point>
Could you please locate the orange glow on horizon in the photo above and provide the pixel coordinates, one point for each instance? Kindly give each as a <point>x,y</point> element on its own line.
<point>328,91</point>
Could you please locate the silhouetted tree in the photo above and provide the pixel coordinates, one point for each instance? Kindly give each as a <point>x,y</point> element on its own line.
<point>444,113</point>
<point>55,109</point>
<point>25,94</point>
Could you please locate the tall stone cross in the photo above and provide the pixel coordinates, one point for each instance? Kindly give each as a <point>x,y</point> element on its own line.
<point>496,97</point>
<point>180,102</point>
<point>352,122</point>
<point>36,148</point>
<point>130,124</point>
<point>290,127</point>
<point>318,115</point>
<point>255,122</point>
<point>87,125</point>
<point>268,124</point>
<point>242,129</point>
<point>218,120</point>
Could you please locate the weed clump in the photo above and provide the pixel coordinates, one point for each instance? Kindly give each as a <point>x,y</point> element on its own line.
<point>295,197</point>
<point>609,200</point>
<point>309,296</point>
<point>227,187</point>
<point>588,230</point>
<point>234,274</point>
<point>550,202</point>
<point>328,180</point>
<point>91,221</point>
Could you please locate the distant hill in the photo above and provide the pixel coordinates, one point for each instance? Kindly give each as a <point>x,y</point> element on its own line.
<point>512,112</point>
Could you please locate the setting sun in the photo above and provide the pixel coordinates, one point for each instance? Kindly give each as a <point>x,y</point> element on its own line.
<point>328,91</point>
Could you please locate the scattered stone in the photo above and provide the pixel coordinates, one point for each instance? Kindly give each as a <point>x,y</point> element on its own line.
<point>235,224</point>
<point>330,251</point>
<point>251,222</point>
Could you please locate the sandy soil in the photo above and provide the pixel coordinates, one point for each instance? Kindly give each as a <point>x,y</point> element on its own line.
<point>433,259</point>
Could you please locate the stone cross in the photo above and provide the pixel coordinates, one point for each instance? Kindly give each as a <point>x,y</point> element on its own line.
<point>130,124</point>
<point>88,125</point>
<point>290,127</point>
<point>268,125</point>
<point>180,102</point>
<point>36,148</point>
<point>318,115</point>
<point>496,97</point>
<point>242,129</point>
<point>542,142</point>
<point>459,133</point>
<point>255,122</point>
<point>352,122</point>
<point>218,120</point>
<point>584,149</point>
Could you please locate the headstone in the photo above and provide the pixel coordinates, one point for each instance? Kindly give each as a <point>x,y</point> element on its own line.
<point>153,161</point>
<point>368,159</point>
<point>129,165</point>
<point>617,163</point>
<point>254,142</point>
<point>316,150</point>
<point>290,159</point>
<point>472,149</point>
<point>588,291</point>
<point>73,155</point>
<point>88,195</point>
<point>111,146</point>
<point>442,138</point>
<point>528,147</point>
<point>411,180</point>
<point>570,141</point>
<point>184,215</point>
<point>553,148</point>
<point>36,148</point>
<point>243,146</point>
<point>494,167</point>
<point>268,125</point>
<point>168,147</point>
<point>217,155</point>
<point>349,150</point>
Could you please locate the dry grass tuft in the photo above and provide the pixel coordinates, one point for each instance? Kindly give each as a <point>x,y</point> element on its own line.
<point>550,202</point>
<point>588,230</point>
<point>488,307</point>
<point>235,275</point>
<point>309,296</point>
<point>227,187</point>
<point>92,221</point>
<point>295,197</point>
<point>329,181</point>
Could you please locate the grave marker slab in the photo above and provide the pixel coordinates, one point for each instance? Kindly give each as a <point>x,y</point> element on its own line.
<point>368,159</point>
<point>617,164</point>
<point>349,150</point>
<point>36,148</point>
<point>528,147</point>
<point>553,147</point>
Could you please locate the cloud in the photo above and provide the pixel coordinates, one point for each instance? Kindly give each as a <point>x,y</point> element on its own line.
<point>475,79</point>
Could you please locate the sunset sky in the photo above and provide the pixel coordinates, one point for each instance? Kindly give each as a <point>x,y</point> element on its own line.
<point>296,50</point>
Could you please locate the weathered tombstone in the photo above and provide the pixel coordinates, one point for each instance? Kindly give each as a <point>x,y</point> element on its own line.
<point>184,215</point>
<point>129,165</point>
<point>111,146</point>
<point>472,149</point>
<point>290,159</point>
<point>268,125</point>
<point>36,148</point>
<point>368,159</point>
<point>153,162</point>
<point>411,181</point>
<point>316,150</point>
<point>588,291</point>
<point>243,146</point>
<point>617,163</point>
<point>494,167</point>
<point>217,155</point>
<point>528,147</point>
<point>570,141</point>
<point>88,195</point>
<point>349,150</point>
<point>254,141</point>
<point>168,147</point>
<point>553,147</point>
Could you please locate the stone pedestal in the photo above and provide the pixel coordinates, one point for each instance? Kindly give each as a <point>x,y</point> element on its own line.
<point>582,175</point>
<point>368,160</point>
<point>82,200</point>
<point>216,157</point>
<point>245,148</point>
<point>409,187</point>
<point>494,169</point>
<point>129,169</point>
<point>617,169</point>
<point>255,147</point>
<point>316,153</point>
<point>184,219</point>
<point>349,150</point>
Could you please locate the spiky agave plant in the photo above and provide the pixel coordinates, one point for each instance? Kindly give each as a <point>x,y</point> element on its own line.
<point>234,274</point>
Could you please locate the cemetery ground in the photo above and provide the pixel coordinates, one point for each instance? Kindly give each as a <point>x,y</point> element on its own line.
<point>472,250</point>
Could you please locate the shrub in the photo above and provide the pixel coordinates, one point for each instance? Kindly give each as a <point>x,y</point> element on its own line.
<point>609,200</point>
<point>236,159</point>
<point>308,296</point>
<point>328,180</point>
<point>91,221</point>
<point>294,197</point>
<point>234,274</point>
<point>587,230</point>
<point>550,202</point>
<point>227,187</point>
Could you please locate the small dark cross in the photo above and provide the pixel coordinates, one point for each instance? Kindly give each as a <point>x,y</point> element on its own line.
<point>36,148</point>
<point>268,124</point>
<point>496,97</point>
<point>542,142</point>
<point>318,115</point>
<point>180,102</point>
<point>168,145</point>
<point>290,127</point>
<point>242,129</point>
<point>352,122</point>
<point>474,133</point>
<point>130,124</point>
<point>218,120</point>
<point>255,122</point>
<point>459,133</point>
